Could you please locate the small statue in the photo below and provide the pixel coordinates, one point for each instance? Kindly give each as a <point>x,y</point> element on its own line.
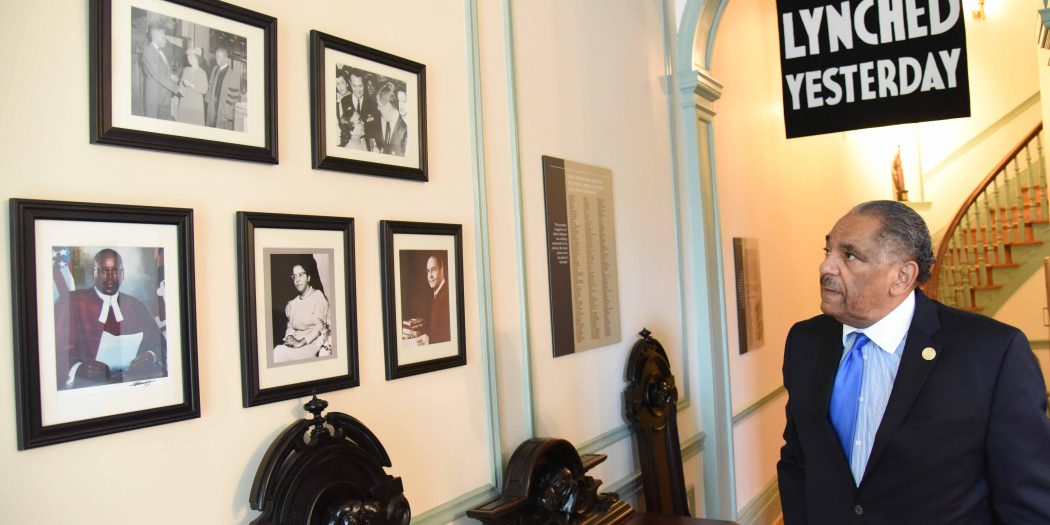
<point>898,177</point>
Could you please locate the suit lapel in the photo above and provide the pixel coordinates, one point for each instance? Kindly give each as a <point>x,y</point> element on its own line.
<point>911,375</point>
<point>829,355</point>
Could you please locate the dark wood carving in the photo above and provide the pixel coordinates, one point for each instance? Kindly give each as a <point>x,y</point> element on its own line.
<point>327,471</point>
<point>649,405</point>
<point>546,483</point>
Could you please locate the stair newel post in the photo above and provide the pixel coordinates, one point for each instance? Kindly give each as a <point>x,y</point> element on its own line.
<point>1029,182</point>
<point>1041,179</point>
<point>1000,228</point>
<point>973,227</point>
<point>1018,202</point>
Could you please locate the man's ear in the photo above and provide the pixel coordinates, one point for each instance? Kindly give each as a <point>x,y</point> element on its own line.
<point>905,279</point>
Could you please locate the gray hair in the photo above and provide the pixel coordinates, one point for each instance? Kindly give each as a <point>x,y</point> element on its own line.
<point>903,227</point>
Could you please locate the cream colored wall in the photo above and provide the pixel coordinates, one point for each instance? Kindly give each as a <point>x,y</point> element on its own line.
<point>588,89</point>
<point>788,193</point>
<point>1025,310</point>
<point>210,461</point>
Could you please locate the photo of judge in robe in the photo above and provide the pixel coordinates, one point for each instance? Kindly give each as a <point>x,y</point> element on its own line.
<point>103,334</point>
<point>425,303</point>
<point>302,324</point>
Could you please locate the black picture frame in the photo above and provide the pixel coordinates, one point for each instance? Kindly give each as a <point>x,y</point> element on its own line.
<point>333,128</point>
<point>404,296</point>
<point>122,403</point>
<point>283,241</point>
<point>215,133</point>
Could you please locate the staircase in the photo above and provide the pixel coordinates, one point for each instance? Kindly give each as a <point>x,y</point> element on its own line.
<point>996,240</point>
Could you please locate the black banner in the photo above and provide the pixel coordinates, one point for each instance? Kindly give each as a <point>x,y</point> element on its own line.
<point>851,64</point>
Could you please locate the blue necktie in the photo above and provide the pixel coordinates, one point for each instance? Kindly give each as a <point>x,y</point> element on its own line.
<point>845,398</point>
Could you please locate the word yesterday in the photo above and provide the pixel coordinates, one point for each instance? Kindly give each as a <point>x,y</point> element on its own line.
<point>875,79</point>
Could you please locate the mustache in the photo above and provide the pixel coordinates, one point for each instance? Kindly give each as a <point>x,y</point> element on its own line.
<point>829,282</point>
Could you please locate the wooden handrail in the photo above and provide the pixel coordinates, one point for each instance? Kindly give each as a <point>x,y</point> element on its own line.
<point>931,286</point>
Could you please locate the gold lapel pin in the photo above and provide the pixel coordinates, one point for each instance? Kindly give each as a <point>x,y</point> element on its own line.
<point>929,353</point>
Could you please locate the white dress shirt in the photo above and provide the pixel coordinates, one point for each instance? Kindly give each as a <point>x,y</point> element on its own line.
<point>882,358</point>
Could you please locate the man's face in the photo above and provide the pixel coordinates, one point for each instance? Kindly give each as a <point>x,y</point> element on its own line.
<point>340,85</point>
<point>402,104</point>
<point>157,37</point>
<point>858,272</point>
<point>109,273</point>
<point>435,274</point>
<point>357,86</point>
<point>300,278</point>
<point>222,58</point>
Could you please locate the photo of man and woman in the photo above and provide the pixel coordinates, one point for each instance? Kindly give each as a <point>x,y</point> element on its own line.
<point>372,110</point>
<point>186,72</point>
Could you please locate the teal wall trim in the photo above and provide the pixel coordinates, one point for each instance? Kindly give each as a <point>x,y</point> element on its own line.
<point>605,439</point>
<point>714,31</point>
<point>749,410</point>
<point>627,486</point>
<point>693,445</point>
<point>691,96</point>
<point>488,353</point>
<point>456,508</point>
<point>764,509</point>
<point>980,137</point>
<point>519,222</point>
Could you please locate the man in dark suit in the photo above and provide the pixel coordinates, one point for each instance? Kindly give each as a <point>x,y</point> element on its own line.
<point>902,410</point>
<point>438,328</point>
<point>365,106</point>
<point>160,83</point>
<point>394,128</point>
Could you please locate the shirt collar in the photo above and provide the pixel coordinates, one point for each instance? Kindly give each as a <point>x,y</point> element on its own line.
<point>889,331</point>
<point>438,290</point>
<point>109,302</point>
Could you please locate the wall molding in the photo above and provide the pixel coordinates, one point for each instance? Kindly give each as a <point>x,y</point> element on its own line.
<point>764,509</point>
<point>519,222</point>
<point>750,410</point>
<point>1039,344</point>
<point>484,263</point>
<point>691,112</point>
<point>456,508</point>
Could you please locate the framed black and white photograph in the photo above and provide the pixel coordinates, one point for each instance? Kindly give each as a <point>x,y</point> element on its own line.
<point>298,305</point>
<point>104,319</point>
<point>368,110</point>
<point>422,265</point>
<point>185,76</point>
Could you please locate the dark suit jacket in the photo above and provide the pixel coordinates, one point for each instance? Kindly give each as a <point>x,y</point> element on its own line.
<point>438,325</point>
<point>159,87</point>
<point>965,438</point>
<point>398,139</point>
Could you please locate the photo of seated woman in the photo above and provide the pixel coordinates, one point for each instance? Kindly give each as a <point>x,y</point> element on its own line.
<point>302,327</point>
